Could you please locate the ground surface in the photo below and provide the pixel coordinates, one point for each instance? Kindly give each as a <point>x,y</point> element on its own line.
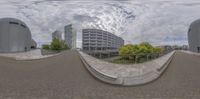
<point>29,55</point>
<point>64,77</point>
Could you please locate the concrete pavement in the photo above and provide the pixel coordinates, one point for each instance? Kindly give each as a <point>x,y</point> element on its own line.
<point>65,77</point>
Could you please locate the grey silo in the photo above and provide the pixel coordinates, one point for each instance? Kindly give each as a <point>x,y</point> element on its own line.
<point>194,36</point>
<point>15,36</point>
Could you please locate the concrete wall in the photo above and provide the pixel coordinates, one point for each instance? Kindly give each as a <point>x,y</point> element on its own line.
<point>126,75</point>
<point>194,36</point>
<point>15,36</point>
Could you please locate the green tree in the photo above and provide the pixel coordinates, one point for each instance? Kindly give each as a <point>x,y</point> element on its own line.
<point>157,50</point>
<point>126,51</point>
<point>145,48</point>
<point>130,51</point>
<point>58,45</point>
<point>46,46</point>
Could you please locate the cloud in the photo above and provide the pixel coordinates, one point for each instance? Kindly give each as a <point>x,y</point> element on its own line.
<point>156,21</point>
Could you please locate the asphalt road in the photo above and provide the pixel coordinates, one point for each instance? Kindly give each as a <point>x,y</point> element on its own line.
<point>65,77</point>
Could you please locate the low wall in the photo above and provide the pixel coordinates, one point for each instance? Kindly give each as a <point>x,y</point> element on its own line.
<point>191,53</point>
<point>149,76</point>
<point>98,74</point>
<point>130,80</point>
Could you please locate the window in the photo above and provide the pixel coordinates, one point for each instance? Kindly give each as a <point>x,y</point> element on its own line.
<point>198,49</point>
<point>14,23</point>
<point>23,25</point>
<point>189,30</point>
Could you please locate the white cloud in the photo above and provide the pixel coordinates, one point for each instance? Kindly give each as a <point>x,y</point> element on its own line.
<point>156,21</point>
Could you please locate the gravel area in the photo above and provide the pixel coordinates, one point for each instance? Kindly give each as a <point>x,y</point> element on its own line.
<point>64,77</point>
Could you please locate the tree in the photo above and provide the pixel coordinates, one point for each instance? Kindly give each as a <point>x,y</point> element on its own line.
<point>157,50</point>
<point>145,48</point>
<point>46,46</point>
<point>126,51</point>
<point>56,45</point>
<point>130,51</point>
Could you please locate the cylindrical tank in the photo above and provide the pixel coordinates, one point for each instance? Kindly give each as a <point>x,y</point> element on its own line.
<point>194,36</point>
<point>15,36</point>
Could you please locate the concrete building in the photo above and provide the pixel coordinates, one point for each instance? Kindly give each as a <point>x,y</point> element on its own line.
<point>15,36</point>
<point>57,35</point>
<point>194,36</point>
<point>33,44</point>
<point>70,36</point>
<point>99,42</point>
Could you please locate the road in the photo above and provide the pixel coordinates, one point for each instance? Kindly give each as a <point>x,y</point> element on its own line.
<point>65,77</point>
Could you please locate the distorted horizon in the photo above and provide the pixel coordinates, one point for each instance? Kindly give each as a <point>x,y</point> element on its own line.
<point>160,22</point>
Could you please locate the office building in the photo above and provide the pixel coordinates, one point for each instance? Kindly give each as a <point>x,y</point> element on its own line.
<point>57,35</point>
<point>96,41</point>
<point>70,36</point>
<point>194,36</point>
<point>15,36</point>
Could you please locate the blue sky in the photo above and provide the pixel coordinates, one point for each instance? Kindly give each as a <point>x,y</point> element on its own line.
<point>156,21</point>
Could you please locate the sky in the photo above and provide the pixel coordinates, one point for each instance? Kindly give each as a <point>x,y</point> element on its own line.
<point>160,22</point>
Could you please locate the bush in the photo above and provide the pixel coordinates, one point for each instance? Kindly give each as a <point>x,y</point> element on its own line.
<point>130,51</point>
<point>45,46</point>
<point>56,45</point>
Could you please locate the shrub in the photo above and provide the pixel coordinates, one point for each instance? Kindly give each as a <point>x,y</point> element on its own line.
<point>45,46</point>
<point>56,45</point>
<point>130,51</point>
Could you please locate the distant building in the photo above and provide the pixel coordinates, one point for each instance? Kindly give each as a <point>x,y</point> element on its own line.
<point>33,44</point>
<point>194,36</point>
<point>57,35</point>
<point>15,36</point>
<point>166,48</point>
<point>169,48</point>
<point>70,36</point>
<point>100,42</point>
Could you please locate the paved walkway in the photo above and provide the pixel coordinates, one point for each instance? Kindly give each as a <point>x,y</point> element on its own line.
<point>131,74</point>
<point>29,55</point>
<point>65,77</point>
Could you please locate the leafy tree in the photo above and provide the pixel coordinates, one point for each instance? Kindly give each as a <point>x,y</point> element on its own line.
<point>56,45</point>
<point>130,51</point>
<point>145,48</point>
<point>46,46</point>
<point>126,51</point>
<point>64,46</point>
<point>157,50</point>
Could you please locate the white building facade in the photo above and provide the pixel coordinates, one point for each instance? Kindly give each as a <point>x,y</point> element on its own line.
<point>70,36</point>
